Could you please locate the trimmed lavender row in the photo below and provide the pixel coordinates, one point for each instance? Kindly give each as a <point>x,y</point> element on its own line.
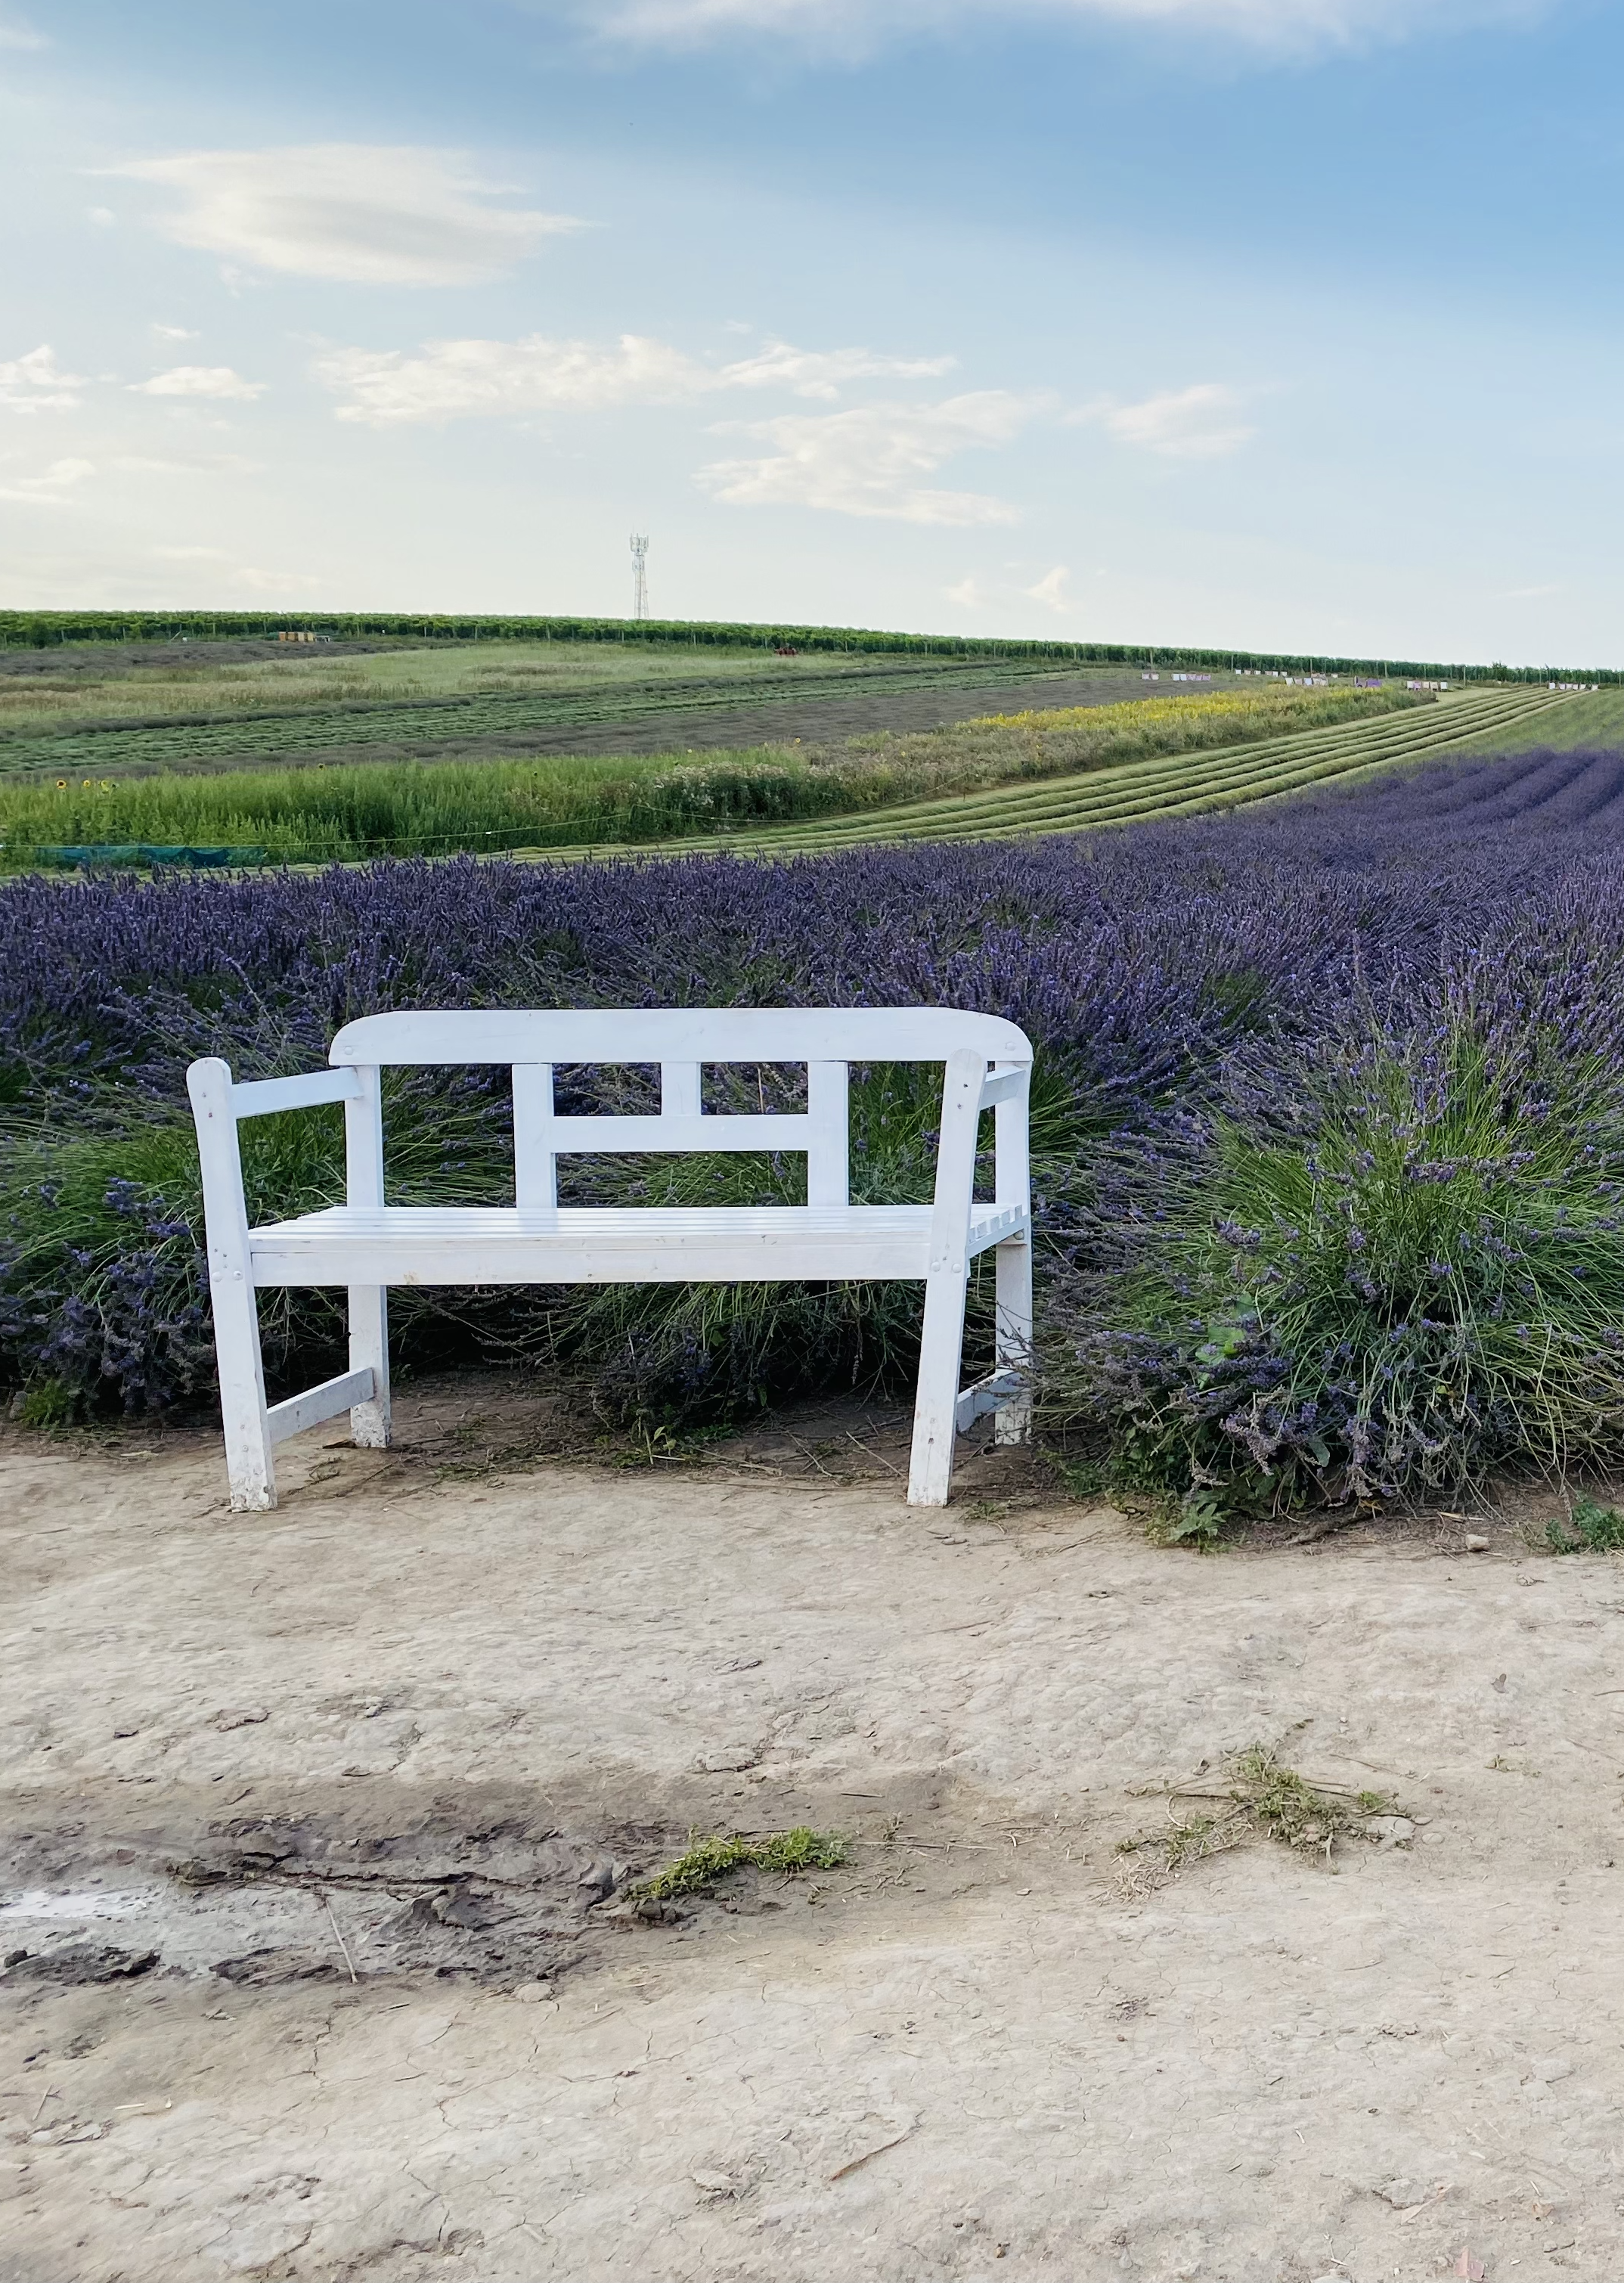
<point>1100,950</point>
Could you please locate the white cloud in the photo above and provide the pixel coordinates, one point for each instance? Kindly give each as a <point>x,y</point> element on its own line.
<point>864,462</point>
<point>213,380</point>
<point>140,464</point>
<point>173,333</point>
<point>190,554</point>
<point>36,383</point>
<point>1051,589</point>
<point>355,213</point>
<point>820,372</point>
<point>855,27</point>
<point>965,597</point>
<point>449,380</point>
<point>1198,423</point>
<point>14,34</point>
<point>52,486</point>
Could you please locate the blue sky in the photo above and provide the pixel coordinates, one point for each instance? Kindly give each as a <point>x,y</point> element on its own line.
<point>1274,323</point>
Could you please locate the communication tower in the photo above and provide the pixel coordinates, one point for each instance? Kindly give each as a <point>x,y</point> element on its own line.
<point>640,577</point>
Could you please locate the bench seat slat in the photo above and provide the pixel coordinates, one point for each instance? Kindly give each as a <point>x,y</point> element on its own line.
<point>498,1245</point>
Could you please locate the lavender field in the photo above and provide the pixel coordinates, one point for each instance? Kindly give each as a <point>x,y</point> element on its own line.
<point>1327,1133</point>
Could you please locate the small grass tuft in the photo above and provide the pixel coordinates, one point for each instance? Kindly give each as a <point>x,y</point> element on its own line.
<point>1184,1842</point>
<point>48,1402</point>
<point>1261,1799</point>
<point>1084,1479</point>
<point>1287,1807</point>
<point>708,1860</point>
<point>1589,1529</point>
<point>1197,1521</point>
<point>647,1445</point>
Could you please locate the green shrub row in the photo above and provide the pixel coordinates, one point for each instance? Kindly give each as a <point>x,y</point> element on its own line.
<point>41,628</point>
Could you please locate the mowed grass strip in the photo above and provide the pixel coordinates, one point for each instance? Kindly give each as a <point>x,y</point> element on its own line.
<point>1181,785</point>
<point>1104,791</point>
<point>348,812</point>
<point>1185,787</point>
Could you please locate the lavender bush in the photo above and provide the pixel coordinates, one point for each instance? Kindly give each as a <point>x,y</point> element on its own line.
<point>1325,1144</point>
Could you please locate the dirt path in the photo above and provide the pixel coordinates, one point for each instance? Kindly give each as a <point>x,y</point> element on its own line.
<point>425,1729</point>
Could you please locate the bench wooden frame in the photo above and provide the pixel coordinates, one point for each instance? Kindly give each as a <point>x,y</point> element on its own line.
<point>366,1245</point>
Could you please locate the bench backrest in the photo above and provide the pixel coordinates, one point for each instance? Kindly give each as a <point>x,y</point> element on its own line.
<point>682,1041</point>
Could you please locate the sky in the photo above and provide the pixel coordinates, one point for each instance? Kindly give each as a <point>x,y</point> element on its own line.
<point>1284,324</point>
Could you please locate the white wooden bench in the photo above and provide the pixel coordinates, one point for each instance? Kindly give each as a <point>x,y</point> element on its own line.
<point>367,1245</point>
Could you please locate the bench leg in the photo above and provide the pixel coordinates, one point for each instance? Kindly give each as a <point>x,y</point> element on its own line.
<point>249,1463</point>
<point>370,1351</point>
<point>1012,1422</point>
<point>936,1404</point>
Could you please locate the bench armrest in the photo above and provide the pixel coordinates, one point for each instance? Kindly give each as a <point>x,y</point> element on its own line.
<point>215,1092</point>
<point>261,1098</point>
<point>218,1105</point>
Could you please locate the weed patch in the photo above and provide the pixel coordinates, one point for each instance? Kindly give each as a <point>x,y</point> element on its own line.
<point>1255,1796</point>
<point>786,1854</point>
<point>1589,1528</point>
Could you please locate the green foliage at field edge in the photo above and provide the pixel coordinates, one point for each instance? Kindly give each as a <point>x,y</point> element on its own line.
<point>1424,1276</point>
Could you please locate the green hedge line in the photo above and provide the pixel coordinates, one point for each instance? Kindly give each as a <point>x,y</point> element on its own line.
<point>40,629</point>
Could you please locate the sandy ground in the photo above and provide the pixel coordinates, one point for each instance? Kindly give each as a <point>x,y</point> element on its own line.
<point>426,1722</point>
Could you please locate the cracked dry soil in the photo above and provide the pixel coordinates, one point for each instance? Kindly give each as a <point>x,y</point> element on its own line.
<point>318,1829</point>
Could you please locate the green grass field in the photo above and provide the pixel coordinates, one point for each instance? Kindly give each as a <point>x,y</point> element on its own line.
<point>127,713</point>
<point>118,778</point>
<point>41,694</point>
<point>313,814</point>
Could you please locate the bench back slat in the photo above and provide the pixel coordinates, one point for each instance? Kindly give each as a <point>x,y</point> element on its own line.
<point>703,1035</point>
<point>680,1090</point>
<point>583,1137</point>
<point>535,1166</point>
<point>540,1136</point>
<point>534,1041</point>
<point>828,1150</point>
